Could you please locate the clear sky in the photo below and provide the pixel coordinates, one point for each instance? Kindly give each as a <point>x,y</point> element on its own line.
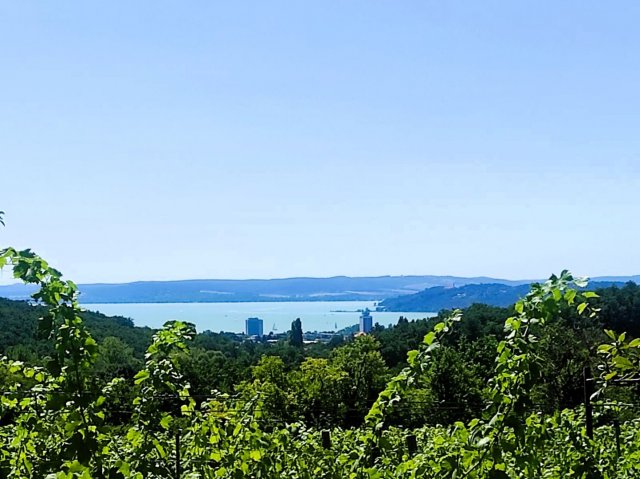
<point>200,139</point>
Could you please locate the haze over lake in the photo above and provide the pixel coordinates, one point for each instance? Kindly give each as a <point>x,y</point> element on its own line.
<point>315,315</point>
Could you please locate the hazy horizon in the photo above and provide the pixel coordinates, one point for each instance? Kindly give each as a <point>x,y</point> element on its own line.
<point>7,280</point>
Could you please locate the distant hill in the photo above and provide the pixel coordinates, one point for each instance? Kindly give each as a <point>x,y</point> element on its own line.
<point>339,288</point>
<point>439,298</point>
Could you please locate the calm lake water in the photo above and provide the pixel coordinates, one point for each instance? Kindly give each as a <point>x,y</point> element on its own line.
<point>277,316</point>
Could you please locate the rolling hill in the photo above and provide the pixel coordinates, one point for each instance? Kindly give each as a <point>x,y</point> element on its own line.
<point>338,288</point>
<point>439,298</point>
<point>435,291</point>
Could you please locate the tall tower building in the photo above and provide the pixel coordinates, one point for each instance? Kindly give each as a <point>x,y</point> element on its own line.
<point>366,321</point>
<point>253,327</point>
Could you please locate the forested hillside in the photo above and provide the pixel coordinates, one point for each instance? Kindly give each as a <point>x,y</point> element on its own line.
<point>19,338</point>
<point>439,297</point>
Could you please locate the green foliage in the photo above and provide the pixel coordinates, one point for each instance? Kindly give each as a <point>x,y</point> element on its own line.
<point>455,388</point>
<point>366,371</point>
<point>418,360</point>
<point>621,358</point>
<point>58,413</point>
<point>19,326</point>
<point>323,391</point>
<point>620,308</point>
<point>319,391</point>
<point>116,359</point>
<point>56,421</point>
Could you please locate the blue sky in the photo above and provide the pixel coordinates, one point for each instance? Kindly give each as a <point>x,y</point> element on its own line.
<point>171,140</point>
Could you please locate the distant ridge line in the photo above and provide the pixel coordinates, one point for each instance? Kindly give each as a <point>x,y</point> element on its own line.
<point>335,288</point>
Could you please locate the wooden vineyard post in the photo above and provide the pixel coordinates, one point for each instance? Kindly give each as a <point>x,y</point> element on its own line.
<point>178,471</point>
<point>588,408</point>
<point>412,444</point>
<point>326,439</point>
<point>616,428</point>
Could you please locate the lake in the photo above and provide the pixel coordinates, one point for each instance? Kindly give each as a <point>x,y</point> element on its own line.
<point>277,316</point>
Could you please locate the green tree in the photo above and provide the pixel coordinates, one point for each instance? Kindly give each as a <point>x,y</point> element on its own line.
<point>116,359</point>
<point>318,387</point>
<point>367,372</point>
<point>455,388</point>
<point>270,387</point>
<point>295,335</point>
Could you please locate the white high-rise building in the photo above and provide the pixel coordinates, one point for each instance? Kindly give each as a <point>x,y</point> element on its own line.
<point>253,327</point>
<point>366,321</point>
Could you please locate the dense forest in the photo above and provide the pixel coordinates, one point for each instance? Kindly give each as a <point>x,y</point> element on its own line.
<point>485,392</point>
